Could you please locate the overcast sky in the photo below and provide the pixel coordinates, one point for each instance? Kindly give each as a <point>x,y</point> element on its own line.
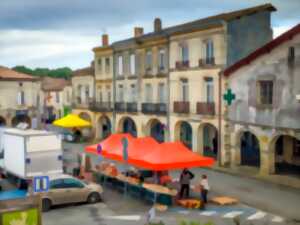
<point>57,33</point>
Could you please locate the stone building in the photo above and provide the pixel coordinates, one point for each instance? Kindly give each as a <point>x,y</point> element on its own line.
<point>20,98</point>
<point>57,96</point>
<point>264,118</point>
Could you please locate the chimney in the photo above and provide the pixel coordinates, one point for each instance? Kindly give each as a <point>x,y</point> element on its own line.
<point>138,31</point>
<point>157,25</point>
<point>105,40</point>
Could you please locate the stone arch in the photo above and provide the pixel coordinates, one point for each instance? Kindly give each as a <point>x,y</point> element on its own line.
<point>249,146</point>
<point>208,140</point>
<point>103,127</point>
<point>2,121</point>
<point>156,129</point>
<point>127,125</point>
<point>184,133</point>
<point>284,153</point>
<point>20,119</point>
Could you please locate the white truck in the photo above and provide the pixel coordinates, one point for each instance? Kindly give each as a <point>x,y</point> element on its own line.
<point>30,153</point>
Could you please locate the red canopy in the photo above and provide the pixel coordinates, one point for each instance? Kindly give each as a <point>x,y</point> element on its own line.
<point>149,154</point>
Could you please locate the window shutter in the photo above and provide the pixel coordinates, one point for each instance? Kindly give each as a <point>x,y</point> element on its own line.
<point>277,96</point>
<point>252,93</point>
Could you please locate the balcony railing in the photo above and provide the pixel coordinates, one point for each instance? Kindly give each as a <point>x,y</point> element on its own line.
<point>101,106</point>
<point>181,107</point>
<point>161,108</point>
<point>148,108</point>
<point>81,104</point>
<point>182,64</point>
<point>120,107</point>
<point>207,62</point>
<point>206,108</point>
<point>131,107</point>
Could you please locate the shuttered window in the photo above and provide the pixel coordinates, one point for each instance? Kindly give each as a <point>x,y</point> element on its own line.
<point>266,92</point>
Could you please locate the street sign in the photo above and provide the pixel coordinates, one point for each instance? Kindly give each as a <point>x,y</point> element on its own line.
<point>125,148</point>
<point>41,184</point>
<point>229,96</point>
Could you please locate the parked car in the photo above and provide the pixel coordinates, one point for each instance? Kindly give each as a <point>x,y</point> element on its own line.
<point>67,189</point>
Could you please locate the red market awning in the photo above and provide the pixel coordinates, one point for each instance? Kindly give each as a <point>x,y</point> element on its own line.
<point>147,153</point>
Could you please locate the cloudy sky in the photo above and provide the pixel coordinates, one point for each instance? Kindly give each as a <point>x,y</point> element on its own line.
<point>57,33</point>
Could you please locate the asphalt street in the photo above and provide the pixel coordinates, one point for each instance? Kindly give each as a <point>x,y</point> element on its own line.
<point>261,203</point>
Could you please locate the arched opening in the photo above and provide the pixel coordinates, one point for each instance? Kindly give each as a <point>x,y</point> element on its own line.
<point>250,151</point>
<point>186,134</point>
<point>287,155</point>
<point>104,127</point>
<point>2,121</point>
<point>157,131</point>
<point>20,119</point>
<point>127,125</point>
<point>210,140</point>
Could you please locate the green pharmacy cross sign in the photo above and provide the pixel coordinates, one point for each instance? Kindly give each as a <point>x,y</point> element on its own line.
<point>229,96</point>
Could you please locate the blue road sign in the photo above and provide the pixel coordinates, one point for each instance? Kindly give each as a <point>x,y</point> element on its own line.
<point>41,184</point>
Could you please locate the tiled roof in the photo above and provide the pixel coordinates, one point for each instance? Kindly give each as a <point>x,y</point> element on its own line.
<point>197,24</point>
<point>54,84</point>
<point>8,74</point>
<point>88,71</point>
<point>267,48</point>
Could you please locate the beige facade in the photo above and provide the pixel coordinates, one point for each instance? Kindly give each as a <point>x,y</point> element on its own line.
<point>20,98</point>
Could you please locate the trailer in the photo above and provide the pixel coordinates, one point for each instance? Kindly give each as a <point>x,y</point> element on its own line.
<point>30,153</point>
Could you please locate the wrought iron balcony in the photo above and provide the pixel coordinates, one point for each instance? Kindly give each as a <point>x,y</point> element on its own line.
<point>101,106</point>
<point>182,64</point>
<point>161,108</point>
<point>206,108</point>
<point>207,62</point>
<point>120,106</point>
<point>148,108</point>
<point>131,107</point>
<point>181,107</point>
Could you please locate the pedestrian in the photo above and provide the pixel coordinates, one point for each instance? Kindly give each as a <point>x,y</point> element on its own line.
<point>185,180</point>
<point>204,188</point>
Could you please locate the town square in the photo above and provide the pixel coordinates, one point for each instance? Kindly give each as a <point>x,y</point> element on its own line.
<point>149,112</point>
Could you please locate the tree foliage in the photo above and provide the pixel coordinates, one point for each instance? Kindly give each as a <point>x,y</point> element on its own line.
<point>64,72</point>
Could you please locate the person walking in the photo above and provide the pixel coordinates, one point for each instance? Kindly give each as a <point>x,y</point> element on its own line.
<point>204,188</point>
<point>185,180</point>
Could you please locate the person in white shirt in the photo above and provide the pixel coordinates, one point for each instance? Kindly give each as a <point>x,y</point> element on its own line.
<point>204,188</point>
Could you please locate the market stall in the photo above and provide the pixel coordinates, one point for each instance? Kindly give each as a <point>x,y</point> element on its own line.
<point>145,153</point>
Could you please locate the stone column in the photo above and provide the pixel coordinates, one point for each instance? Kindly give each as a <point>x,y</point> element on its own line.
<point>264,156</point>
<point>194,137</point>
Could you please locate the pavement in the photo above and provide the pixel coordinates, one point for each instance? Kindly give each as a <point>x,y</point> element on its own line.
<point>261,202</point>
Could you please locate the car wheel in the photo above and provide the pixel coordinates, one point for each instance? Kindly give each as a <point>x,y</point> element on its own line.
<point>46,205</point>
<point>93,198</point>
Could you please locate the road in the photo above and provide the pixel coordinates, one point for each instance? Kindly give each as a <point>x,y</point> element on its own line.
<point>261,203</point>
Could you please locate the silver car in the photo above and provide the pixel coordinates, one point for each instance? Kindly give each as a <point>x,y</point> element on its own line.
<point>67,189</point>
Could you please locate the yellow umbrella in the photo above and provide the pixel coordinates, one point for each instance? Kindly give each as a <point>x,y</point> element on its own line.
<point>71,121</point>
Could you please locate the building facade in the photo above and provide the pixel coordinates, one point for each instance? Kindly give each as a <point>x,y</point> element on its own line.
<point>20,98</point>
<point>264,119</point>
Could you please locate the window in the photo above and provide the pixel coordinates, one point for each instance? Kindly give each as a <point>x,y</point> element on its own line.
<point>209,86</point>
<point>184,51</point>
<point>161,60</point>
<point>79,94</point>
<point>148,93</point>
<point>209,52</point>
<point>108,93</point>
<point>68,96</point>
<point>296,150</point>
<point>57,184</point>
<point>133,93</point>
<point>100,65</point>
<point>38,100</point>
<point>184,90</point>
<point>121,93</point>
<point>107,65</point>
<point>161,93</point>
<point>100,95</point>
<point>72,183</point>
<point>57,97</point>
<point>132,64</point>
<point>266,92</point>
<point>21,98</point>
<point>120,65</point>
<point>87,93</point>
<point>291,54</point>
<point>148,60</point>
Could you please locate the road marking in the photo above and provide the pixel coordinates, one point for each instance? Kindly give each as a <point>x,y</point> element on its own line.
<point>208,213</point>
<point>277,219</point>
<point>258,215</point>
<point>185,212</point>
<point>233,214</point>
<point>129,217</point>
